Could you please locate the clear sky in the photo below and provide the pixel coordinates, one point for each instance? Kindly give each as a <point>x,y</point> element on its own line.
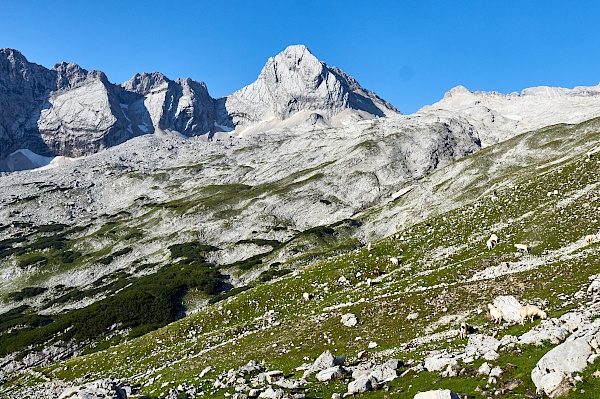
<point>408,52</point>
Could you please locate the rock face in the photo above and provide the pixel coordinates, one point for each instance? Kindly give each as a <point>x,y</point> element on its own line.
<point>83,115</point>
<point>69,111</point>
<point>183,105</point>
<point>63,111</point>
<point>24,88</point>
<point>295,80</point>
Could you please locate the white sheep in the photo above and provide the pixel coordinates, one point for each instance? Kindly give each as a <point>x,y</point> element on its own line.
<point>496,313</point>
<point>394,261</point>
<point>492,241</point>
<point>522,247</point>
<point>589,239</point>
<point>369,247</point>
<point>531,311</point>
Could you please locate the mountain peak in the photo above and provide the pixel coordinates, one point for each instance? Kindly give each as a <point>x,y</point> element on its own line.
<point>295,80</point>
<point>296,55</point>
<point>145,82</point>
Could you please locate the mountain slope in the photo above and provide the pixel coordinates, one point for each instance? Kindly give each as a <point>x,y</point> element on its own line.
<point>411,309</point>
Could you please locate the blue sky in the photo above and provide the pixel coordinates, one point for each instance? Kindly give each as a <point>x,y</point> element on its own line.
<point>408,52</point>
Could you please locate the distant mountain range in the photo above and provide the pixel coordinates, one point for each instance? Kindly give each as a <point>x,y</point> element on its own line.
<point>70,111</point>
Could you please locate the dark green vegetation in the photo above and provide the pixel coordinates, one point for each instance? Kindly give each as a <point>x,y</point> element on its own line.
<point>142,305</point>
<point>27,292</point>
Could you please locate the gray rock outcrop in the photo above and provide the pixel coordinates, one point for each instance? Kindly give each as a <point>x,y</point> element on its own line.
<point>65,110</point>
<point>553,374</point>
<point>70,111</point>
<point>295,80</point>
<point>101,389</point>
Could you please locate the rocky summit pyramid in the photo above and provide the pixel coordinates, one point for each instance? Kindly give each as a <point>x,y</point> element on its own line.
<point>295,80</point>
<point>70,111</point>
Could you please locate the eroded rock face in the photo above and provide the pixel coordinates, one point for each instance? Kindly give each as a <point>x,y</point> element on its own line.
<point>183,105</point>
<point>23,89</point>
<point>296,80</point>
<point>61,111</point>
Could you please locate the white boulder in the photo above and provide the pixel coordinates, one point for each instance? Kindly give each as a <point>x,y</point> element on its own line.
<point>437,394</point>
<point>349,320</point>
<point>552,374</point>
<point>509,306</point>
<point>331,373</point>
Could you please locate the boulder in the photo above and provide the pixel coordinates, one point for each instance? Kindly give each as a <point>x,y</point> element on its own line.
<point>384,373</point>
<point>273,376</point>
<point>349,320</point>
<point>481,345</point>
<point>547,330</point>
<point>484,369</point>
<point>271,393</point>
<point>509,306</point>
<point>437,394</point>
<point>496,372</point>
<point>331,373</point>
<point>439,361</point>
<point>552,374</point>
<point>360,385</point>
<point>324,361</point>
<point>101,389</point>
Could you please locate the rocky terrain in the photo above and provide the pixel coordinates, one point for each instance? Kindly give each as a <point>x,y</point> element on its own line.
<point>505,115</point>
<point>323,247</point>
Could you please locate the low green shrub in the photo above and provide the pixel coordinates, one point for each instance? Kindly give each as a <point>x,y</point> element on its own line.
<point>27,292</point>
<point>31,260</point>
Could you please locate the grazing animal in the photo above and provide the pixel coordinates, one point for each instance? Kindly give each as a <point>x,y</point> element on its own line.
<point>369,247</point>
<point>522,247</point>
<point>394,261</point>
<point>492,241</point>
<point>531,311</point>
<point>589,239</point>
<point>496,313</point>
<point>464,330</point>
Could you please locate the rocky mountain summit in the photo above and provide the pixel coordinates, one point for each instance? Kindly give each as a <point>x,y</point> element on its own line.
<point>69,111</point>
<point>295,80</point>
